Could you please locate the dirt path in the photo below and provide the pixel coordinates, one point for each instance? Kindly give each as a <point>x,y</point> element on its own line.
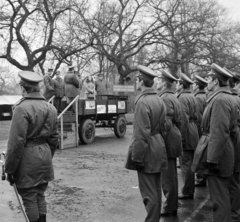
<point>91,185</point>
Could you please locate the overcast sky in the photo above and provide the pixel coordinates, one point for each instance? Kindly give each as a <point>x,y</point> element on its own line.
<point>233,6</point>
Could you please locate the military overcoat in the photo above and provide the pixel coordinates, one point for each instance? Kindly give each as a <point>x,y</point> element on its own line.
<point>32,141</point>
<point>147,144</point>
<point>188,128</point>
<point>237,136</point>
<point>219,126</point>
<point>201,104</point>
<point>72,85</point>
<point>59,87</point>
<point>171,133</point>
<point>101,87</point>
<point>48,87</point>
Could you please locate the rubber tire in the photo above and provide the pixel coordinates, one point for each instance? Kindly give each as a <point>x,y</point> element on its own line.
<point>120,126</point>
<point>87,131</point>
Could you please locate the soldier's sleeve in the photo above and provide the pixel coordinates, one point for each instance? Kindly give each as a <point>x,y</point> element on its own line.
<point>177,114</point>
<point>96,86</point>
<point>142,131</point>
<point>49,83</point>
<point>219,131</point>
<point>75,82</point>
<point>53,137</point>
<point>196,113</point>
<point>199,115</point>
<point>17,139</point>
<point>184,117</point>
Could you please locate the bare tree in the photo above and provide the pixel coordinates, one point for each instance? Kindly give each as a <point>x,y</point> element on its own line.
<point>120,32</point>
<point>27,29</point>
<point>7,79</point>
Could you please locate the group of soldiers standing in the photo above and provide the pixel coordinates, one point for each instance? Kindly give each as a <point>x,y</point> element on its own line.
<point>70,86</point>
<point>200,128</point>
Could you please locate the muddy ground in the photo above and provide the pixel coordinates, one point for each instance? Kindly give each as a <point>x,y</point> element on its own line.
<point>91,184</point>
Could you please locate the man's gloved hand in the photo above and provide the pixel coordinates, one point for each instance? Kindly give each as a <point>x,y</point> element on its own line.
<point>139,165</point>
<point>11,179</point>
<point>213,166</point>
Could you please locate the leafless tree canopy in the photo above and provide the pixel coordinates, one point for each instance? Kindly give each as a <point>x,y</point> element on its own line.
<point>115,35</point>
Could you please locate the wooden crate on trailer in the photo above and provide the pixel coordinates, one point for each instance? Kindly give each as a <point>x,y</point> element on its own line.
<point>87,107</point>
<point>101,106</point>
<point>112,106</point>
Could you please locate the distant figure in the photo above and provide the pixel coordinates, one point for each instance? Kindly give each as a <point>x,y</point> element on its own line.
<point>101,85</point>
<point>89,88</point>
<point>71,86</point>
<point>48,88</point>
<point>59,91</point>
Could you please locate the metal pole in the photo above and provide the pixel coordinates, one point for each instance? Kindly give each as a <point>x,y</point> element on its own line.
<point>76,136</point>
<point>14,186</point>
<point>61,132</point>
<point>20,203</point>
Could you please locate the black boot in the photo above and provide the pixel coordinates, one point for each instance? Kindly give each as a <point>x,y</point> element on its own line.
<point>42,218</point>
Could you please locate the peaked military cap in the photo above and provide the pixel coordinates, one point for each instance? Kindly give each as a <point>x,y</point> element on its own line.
<point>185,79</point>
<point>200,81</point>
<point>146,73</point>
<point>220,73</point>
<point>167,76</point>
<point>29,78</point>
<point>235,77</point>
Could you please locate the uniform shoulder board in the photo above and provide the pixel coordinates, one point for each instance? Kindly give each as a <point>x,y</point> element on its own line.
<point>19,101</point>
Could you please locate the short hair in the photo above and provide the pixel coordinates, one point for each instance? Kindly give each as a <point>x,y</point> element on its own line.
<point>201,87</point>
<point>185,85</point>
<point>232,83</point>
<point>146,82</point>
<point>30,89</point>
<point>168,84</point>
<point>221,82</point>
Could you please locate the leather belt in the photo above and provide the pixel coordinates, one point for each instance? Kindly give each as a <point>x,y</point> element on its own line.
<point>36,141</point>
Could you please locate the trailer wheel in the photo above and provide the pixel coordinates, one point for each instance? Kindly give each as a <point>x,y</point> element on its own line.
<point>120,126</point>
<point>87,131</point>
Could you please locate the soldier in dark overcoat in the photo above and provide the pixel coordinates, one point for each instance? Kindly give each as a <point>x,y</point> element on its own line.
<point>200,94</point>
<point>101,85</point>
<point>147,152</point>
<point>72,86</point>
<point>189,133</point>
<point>173,141</point>
<point>234,184</point>
<point>59,91</point>
<point>219,125</point>
<point>32,141</point>
<point>48,85</point>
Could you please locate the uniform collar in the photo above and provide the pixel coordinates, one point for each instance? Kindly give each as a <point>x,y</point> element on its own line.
<point>34,95</point>
<point>220,90</point>
<point>201,91</point>
<point>234,91</point>
<point>165,91</point>
<point>148,91</point>
<point>184,91</point>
